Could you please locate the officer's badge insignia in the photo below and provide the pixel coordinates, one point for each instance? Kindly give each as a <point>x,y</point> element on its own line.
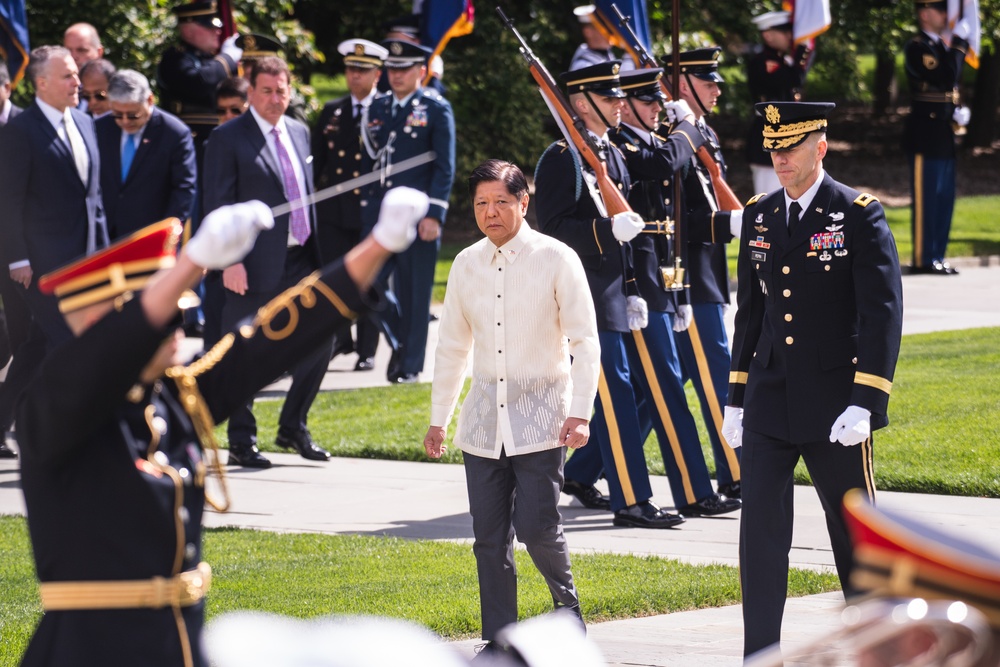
<point>930,62</point>
<point>834,228</point>
<point>249,43</point>
<point>760,228</point>
<point>614,70</point>
<point>396,48</point>
<point>758,256</point>
<point>630,147</point>
<point>825,257</point>
<point>826,240</point>
<point>759,242</point>
<point>810,254</point>
<point>772,114</point>
<point>759,219</point>
<point>418,117</point>
<point>842,252</point>
<point>837,217</point>
<point>359,49</point>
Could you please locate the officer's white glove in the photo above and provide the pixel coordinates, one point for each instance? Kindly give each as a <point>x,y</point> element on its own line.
<point>962,30</point>
<point>402,209</point>
<point>230,49</point>
<point>852,427</point>
<point>732,426</point>
<point>736,223</point>
<point>682,320</point>
<point>637,312</point>
<point>626,226</point>
<point>676,111</point>
<point>961,115</point>
<point>228,233</point>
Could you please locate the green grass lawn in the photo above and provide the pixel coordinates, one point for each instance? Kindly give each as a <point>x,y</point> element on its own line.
<point>431,583</point>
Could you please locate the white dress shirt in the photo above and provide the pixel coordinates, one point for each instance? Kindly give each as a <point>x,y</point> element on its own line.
<point>293,155</point>
<point>519,303</point>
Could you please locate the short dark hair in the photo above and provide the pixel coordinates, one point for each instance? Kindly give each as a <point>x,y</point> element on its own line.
<point>40,57</point>
<point>234,86</point>
<point>105,67</point>
<point>272,65</point>
<point>505,172</point>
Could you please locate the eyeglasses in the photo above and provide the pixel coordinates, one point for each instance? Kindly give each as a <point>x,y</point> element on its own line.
<point>130,116</point>
<point>236,111</point>
<point>99,97</point>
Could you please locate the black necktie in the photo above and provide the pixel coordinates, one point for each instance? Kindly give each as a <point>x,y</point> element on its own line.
<point>357,110</point>
<point>794,210</point>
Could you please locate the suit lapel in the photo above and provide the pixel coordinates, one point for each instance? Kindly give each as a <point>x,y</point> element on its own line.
<point>259,144</point>
<point>149,136</point>
<point>90,142</point>
<point>58,145</point>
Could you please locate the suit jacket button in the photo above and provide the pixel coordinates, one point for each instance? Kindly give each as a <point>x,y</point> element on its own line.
<point>854,361</point>
<point>357,156</point>
<point>786,293</point>
<point>826,268</point>
<point>340,153</point>
<point>788,317</point>
<point>789,340</point>
<point>785,270</point>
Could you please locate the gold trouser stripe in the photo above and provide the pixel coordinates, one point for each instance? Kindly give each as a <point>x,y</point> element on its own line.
<point>868,452</point>
<point>738,377</point>
<point>182,590</point>
<point>664,413</point>
<point>615,439</point>
<point>918,210</point>
<point>708,387</point>
<point>869,380</point>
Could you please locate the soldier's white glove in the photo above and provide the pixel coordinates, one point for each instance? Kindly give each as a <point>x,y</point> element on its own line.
<point>962,115</point>
<point>402,209</point>
<point>676,111</point>
<point>732,426</point>
<point>637,312</point>
<point>962,30</point>
<point>626,226</point>
<point>682,320</point>
<point>228,233</point>
<point>852,427</point>
<point>230,49</point>
<point>736,223</point>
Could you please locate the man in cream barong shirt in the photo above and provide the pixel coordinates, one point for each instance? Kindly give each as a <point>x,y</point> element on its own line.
<point>523,298</point>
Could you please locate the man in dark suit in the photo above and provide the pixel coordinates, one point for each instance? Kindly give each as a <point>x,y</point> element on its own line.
<point>818,327</point>
<point>50,187</point>
<point>147,159</point>
<point>265,155</point>
<point>337,149</point>
<point>410,122</point>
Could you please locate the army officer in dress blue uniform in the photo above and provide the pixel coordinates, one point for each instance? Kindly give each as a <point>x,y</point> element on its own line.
<point>406,123</point>
<point>113,435</point>
<point>818,326</point>
<point>570,207</point>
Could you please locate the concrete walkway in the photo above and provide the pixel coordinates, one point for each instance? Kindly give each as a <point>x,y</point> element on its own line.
<point>428,501</point>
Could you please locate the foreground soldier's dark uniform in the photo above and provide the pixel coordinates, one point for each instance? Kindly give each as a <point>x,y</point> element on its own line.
<point>817,330</point>
<point>113,472</point>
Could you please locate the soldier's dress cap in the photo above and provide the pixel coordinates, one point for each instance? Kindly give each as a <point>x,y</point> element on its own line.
<point>787,124</point>
<point>898,556</point>
<point>362,54</point>
<point>124,266</point>
<point>643,84</point>
<point>601,79</point>
<point>584,13</point>
<point>700,63</point>
<point>404,54</point>
<point>408,24</point>
<point>258,46</point>
<point>771,20</point>
<point>203,12</point>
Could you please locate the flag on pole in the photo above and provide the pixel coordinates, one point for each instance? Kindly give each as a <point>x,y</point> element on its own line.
<point>14,47</point>
<point>810,18</point>
<point>607,23</point>
<point>226,16</point>
<point>443,19</point>
<point>968,10</point>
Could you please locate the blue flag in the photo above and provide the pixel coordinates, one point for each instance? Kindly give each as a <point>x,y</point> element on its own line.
<point>443,19</point>
<point>14,47</point>
<point>635,10</point>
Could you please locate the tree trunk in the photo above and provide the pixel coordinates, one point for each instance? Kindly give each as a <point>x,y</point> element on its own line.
<point>885,83</point>
<point>985,99</point>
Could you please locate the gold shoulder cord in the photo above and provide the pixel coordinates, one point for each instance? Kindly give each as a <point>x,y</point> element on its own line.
<point>194,405</point>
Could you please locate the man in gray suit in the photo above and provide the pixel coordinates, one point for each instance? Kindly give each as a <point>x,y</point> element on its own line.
<point>50,187</point>
<point>265,155</point>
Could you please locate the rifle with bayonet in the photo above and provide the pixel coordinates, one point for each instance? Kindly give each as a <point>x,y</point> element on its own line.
<point>726,198</point>
<point>573,127</point>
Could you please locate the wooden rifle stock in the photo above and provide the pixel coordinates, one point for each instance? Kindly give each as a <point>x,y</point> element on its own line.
<point>572,125</point>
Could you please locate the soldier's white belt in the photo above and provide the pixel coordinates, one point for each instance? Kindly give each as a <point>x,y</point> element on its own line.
<point>183,590</point>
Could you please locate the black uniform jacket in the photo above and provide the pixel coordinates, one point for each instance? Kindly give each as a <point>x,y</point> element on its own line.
<point>337,156</point>
<point>566,210</point>
<point>932,71</point>
<point>651,168</point>
<point>113,479</point>
<point>819,314</point>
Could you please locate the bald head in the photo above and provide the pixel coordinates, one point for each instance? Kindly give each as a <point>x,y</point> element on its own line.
<point>83,43</point>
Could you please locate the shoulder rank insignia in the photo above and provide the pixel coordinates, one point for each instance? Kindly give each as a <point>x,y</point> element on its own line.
<point>756,198</point>
<point>864,199</point>
<point>631,147</point>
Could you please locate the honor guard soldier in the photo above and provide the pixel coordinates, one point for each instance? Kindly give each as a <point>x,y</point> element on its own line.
<point>190,70</point>
<point>933,71</point>
<point>653,356</point>
<point>774,73</point>
<point>704,343</point>
<point>570,207</point>
<point>818,326</point>
<point>114,435</point>
<point>595,47</point>
<point>337,152</point>
<point>409,122</point>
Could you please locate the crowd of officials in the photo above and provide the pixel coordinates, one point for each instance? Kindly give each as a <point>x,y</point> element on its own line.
<point>819,300</point>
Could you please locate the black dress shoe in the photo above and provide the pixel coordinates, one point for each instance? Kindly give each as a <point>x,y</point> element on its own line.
<point>345,347</point>
<point>406,378</point>
<point>6,452</point>
<point>646,515</point>
<point>711,506</point>
<point>587,494</point>
<point>949,270</point>
<point>365,364</point>
<point>392,371</point>
<point>303,443</point>
<point>732,490</point>
<point>248,457</point>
